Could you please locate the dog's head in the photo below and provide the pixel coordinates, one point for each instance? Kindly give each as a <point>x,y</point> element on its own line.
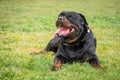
<point>69,26</point>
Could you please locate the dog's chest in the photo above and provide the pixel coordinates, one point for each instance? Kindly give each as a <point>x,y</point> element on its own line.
<point>72,51</point>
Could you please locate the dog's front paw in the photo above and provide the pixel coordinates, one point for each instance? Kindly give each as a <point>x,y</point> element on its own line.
<point>54,68</point>
<point>38,52</point>
<point>34,53</point>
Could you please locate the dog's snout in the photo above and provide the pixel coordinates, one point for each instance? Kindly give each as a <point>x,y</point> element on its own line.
<point>60,18</point>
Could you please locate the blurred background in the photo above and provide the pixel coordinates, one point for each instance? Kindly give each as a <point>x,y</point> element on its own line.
<point>28,25</point>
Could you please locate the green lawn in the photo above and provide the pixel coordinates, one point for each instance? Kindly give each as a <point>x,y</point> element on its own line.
<point>28,25</point>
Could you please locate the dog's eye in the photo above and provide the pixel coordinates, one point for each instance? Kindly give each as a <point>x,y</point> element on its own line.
<point>69,15</point>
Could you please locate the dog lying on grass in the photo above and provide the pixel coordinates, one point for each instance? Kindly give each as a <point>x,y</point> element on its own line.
<point>73,41</point>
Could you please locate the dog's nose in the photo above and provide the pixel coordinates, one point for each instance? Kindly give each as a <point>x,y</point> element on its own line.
<point>60,18</point>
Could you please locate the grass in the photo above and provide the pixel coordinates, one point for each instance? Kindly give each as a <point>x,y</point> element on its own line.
<point>28,25</point>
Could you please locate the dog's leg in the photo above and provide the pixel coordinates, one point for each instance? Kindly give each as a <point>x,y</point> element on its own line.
<point>51,46</point>
<point>57,64</point>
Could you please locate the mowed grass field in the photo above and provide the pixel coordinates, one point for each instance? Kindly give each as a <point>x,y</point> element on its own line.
<point>28,25</point>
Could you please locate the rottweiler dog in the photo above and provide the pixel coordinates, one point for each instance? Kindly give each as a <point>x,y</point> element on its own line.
<point>73,41</point>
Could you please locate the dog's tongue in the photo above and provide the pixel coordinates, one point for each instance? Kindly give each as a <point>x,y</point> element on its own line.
<point>63,31</point>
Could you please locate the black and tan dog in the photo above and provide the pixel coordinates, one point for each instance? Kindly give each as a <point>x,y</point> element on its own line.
<point>73,41</point>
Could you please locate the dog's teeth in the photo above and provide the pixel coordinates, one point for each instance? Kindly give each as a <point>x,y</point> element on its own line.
<point>72,29</point>
<point>68,31</point>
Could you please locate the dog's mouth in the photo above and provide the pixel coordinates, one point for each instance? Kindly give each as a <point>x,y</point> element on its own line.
<point>63,31</point>
<point>64,28</point>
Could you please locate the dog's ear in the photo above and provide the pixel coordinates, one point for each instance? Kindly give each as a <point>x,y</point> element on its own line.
<point>83,18</point>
